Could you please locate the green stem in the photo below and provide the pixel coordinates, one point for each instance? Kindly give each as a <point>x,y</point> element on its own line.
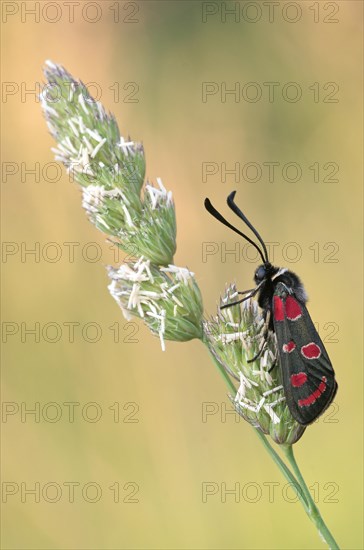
<point>224,374</point>
<point>312,510</point>
<point>298,482</point>
<point>285,471</point>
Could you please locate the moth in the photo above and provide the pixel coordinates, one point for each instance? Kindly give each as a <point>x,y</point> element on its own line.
<point>307,374</point>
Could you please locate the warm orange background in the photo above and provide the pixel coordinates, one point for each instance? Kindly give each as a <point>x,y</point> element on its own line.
<point>168,52</point>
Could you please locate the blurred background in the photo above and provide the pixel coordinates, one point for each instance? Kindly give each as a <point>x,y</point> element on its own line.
<point>123,437</point>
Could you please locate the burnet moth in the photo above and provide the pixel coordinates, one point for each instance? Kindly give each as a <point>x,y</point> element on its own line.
<point>308,377</point>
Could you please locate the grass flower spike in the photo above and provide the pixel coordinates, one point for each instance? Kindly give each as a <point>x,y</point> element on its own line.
<point>138,216</point>
<point>110,169</point>
<point>167,299</point>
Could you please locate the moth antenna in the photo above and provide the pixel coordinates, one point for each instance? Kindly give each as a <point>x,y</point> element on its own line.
<point>238,212</point>
<point>212,210</point>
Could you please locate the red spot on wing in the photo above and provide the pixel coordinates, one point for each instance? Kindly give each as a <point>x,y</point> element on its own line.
<point>311,351</point>
<point>278,309</point>
<point>288,348</point>
<point>298,379</point>
<point>307,401</point>
<point>293,309</point>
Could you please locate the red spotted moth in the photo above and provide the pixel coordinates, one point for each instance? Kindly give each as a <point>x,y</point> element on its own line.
<point>308,377</point>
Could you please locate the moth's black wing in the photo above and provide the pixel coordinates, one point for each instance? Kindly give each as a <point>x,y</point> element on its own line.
<point>307,374</point>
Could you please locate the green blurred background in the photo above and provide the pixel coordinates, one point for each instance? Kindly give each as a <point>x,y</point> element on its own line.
<point>161,448</point>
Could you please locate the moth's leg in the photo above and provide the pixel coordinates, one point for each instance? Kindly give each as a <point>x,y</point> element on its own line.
<point>252,292</point>
<point>246,291</point>
<point>264,336</point>
<point>258,354</point>
<point>275,361</point>
<point>273,365</point>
